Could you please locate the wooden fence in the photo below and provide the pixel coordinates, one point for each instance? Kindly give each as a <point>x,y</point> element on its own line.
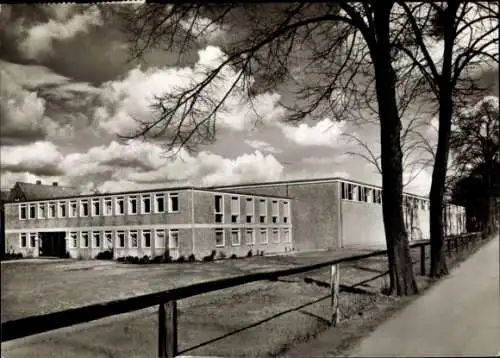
<point>167,300</point>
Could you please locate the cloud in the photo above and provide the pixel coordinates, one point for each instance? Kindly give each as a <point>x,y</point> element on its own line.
<point>22,114</point>
<point>32,76</point>
<point>124,101</point>
<point>39,40</point>
<point>262,146</point>
<point>39,158</point>
<point>203,28</point>
<point>324,133</point>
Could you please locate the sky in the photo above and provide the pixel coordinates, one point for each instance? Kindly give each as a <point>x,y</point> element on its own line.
<point>67,89</point>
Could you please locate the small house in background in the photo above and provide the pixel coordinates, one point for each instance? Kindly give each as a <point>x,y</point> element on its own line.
<point>29,191</point>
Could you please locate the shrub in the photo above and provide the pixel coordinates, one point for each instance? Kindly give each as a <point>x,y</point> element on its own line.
<point>165,259</point>
<point>222,255</point>
<point>233,256</point>
<point>105,255</point>
<point>249,254</point>
<point>66,255</point>
<point>262,253</point>
<point>145,259</point>
<point>208,258</point>
<point>191,258</point>
<point>181,259</point>
<point>121,259</point>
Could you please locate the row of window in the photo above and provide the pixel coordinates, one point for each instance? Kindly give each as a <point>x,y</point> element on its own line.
<point>101,206</point>
<point>356,192</point>
<point>250,236</point>
<point>249,216</point>
<point>119,239</point>
<point>130,238</point>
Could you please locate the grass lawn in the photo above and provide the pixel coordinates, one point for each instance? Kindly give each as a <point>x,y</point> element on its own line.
<point>299,309</point>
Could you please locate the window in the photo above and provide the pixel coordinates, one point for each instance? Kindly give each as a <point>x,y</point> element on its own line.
<point>355,193</point>
<point>235,237</point>
<point>160,203</point>
<point>41,210</point>
<point>369,195</point>
<point>73,239</point>
<point>347,191</point>
<point>96,207</point>
<point>219,206</point>
<point>119,205</point>
<point>33,239</point>
<point>84,239</point>
<point>146,204</point>
<point>276,236</point>
<point>62,209</point>
<point>173,202</point>
<point>96,239</point>
<point>23,212</point>
<point>146,238</point>
<point>133,238</point>
<point>107,209</point>
<point>84,208</point>
<point>249,209</point>
<point>263,236</point>
<point>275,211</point>
<point>32,211</point>
<point>132,205</point>
<point>160,239</point>
<point>262,211</point>
<point>286,236</point>
<point>173,239</point>
<point>377,196</point>
<point>422,204</point>
<point>235,209</point>
<point>72,208</point>
<point>24,240</point>
<point>219,237</point>
<point>108,237</point>
<point>52,210</point>
<point>362,193</point>
<point>286,212</point>
<point>249,237</point>
<point>120,238</point>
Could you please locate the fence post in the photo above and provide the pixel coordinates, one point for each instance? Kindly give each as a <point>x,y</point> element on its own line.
<point>335,288</point>
<point>422,260</point>
<point>167,330</point>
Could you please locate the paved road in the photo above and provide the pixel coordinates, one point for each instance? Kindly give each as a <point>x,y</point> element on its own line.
<point>459,316</point>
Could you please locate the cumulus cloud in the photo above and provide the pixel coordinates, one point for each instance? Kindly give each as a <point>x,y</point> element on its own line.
<point>324,133</point>
<point>131,98</point>
<point>262,146</point>
<point>22,114</point>
<point>39,158</point>
<point>39,39</point>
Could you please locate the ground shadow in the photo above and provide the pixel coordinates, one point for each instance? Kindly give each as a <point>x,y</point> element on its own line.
<point>258,323</point>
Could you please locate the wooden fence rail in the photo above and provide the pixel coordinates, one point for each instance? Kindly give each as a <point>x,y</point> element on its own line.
<point>167,300</point>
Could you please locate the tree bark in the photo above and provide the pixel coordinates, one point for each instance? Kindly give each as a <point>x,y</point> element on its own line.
<point>402,279</point>
<point>438,252</point>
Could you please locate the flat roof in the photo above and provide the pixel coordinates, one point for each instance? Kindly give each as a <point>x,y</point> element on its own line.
<point>306,181</point>
<point>131,192</point>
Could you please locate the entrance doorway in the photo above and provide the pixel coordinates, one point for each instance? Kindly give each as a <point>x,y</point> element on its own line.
<point>52,244</point>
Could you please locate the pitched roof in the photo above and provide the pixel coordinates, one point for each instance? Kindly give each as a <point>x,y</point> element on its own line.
<point>42,191</point>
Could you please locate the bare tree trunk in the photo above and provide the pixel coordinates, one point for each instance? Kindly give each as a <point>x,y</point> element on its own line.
<point>438,253</point>
<point>400,266</point>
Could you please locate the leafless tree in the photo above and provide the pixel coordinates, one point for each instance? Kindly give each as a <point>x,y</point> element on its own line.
<point>341,48</point>
<point>468,32</point>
